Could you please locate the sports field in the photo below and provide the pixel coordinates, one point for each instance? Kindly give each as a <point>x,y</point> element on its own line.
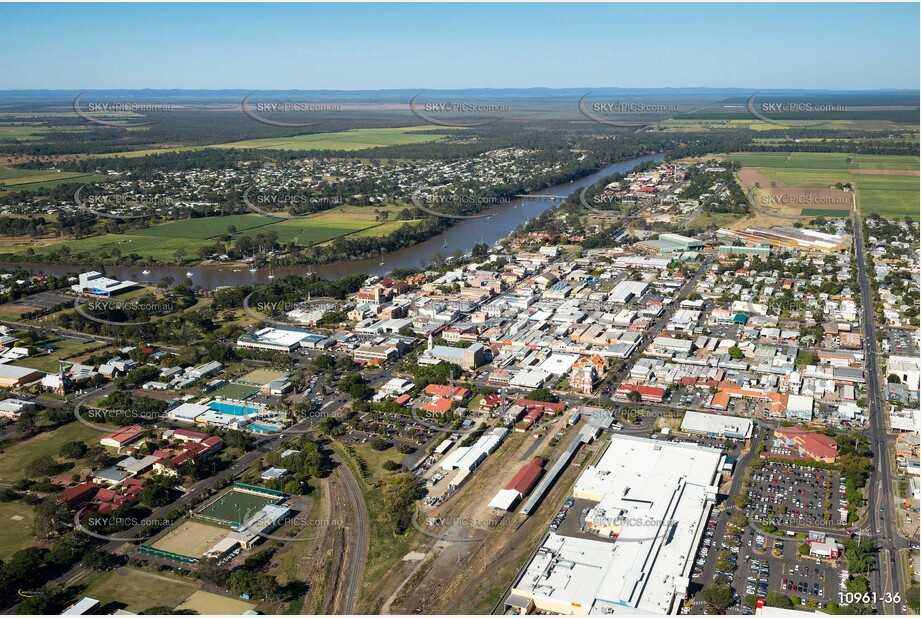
<point>190,538</point>
<point>232,390</point>
<point>354,139</point>
<point>16,520</point>
<point>232,508</point>
<point>886,184</point>
<point>258,377</point>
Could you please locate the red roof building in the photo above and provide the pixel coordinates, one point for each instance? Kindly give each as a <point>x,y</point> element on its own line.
<point>647,393</point>
<point>187,435</point>
<point>438,406</point>
<point>545,407</point>
<point>527,477</point>
<point>80,494</point>
<point>812,445</point>
<point>442,390</point>
<point>122,437</point>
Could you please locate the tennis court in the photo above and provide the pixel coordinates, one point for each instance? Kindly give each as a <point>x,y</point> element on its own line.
<point>232,507</point>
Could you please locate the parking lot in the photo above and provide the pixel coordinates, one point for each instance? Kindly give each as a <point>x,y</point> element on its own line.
<point>792,495</point>
<point>901,342</point>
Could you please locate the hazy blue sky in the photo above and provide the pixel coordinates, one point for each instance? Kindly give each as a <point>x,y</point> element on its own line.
<point>359,46</point>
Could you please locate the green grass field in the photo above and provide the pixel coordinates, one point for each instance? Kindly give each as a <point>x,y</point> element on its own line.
<point>15,527</point>
<point>50,362</point>
<point>15,179</point>
<point>235,391</point>
<point>888,195</point>
<point>207,227</point>
<point>162,242</point>
<point>16,456</point>
<point>135,590</point>
<point>232,507</point>
<point>354,139</point>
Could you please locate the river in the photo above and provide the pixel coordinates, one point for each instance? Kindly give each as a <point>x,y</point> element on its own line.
<point>462,236</point>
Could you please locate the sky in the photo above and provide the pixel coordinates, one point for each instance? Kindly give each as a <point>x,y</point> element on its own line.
<point>381,46</point>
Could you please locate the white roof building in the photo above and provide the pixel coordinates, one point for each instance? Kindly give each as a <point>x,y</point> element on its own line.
<point>652,501</point>
<point>718,425</point>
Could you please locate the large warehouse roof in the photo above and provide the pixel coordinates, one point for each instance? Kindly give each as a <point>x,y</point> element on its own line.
<point>653,498</point>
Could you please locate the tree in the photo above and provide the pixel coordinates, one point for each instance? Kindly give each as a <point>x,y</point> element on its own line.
<point>541,394</point>
<point>634,396</point>
<point>43,465</point>
<point>893,379</point>
<point>73,450</point>
<point>719,596</point>
<point>776,599</point>
<point>736,353</point>
<point>100,561</point>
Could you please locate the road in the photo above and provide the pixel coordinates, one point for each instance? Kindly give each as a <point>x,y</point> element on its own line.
<point>243,462</point>
<point>881,520</point>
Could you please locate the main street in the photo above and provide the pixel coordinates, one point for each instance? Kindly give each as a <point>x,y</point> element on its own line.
<point>888,580</point>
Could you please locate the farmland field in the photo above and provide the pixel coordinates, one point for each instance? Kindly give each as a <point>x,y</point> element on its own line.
<point>354,139</point>
<point>15,179</point>
<point>885,184</point>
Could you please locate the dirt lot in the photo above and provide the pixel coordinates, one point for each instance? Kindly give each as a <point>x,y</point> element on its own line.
<point>471,577</point>
<point>750,176</point>
<point>192,538</point>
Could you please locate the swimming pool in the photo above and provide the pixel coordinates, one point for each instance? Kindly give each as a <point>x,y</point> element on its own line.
<point>234,409</point>
<point>264,428</point>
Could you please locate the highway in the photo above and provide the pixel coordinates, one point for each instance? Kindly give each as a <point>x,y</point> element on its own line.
<point>881,518</point>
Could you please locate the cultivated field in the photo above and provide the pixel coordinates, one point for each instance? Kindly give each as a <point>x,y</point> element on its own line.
<point>354,139</point>
<point>15,179</point>
<point>885,184</point>
<point>190,538</point>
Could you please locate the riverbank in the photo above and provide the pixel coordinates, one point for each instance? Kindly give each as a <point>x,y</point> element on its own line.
<point>502,221</point>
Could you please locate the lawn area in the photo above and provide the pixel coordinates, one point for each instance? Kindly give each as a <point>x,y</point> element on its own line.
<point>207,227</point>
<point>16,456</point>
<point>135,590</point>
<point>354,139</point>
<point>161,242</point>
<point>63,350</point>
<point>15,527</point>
